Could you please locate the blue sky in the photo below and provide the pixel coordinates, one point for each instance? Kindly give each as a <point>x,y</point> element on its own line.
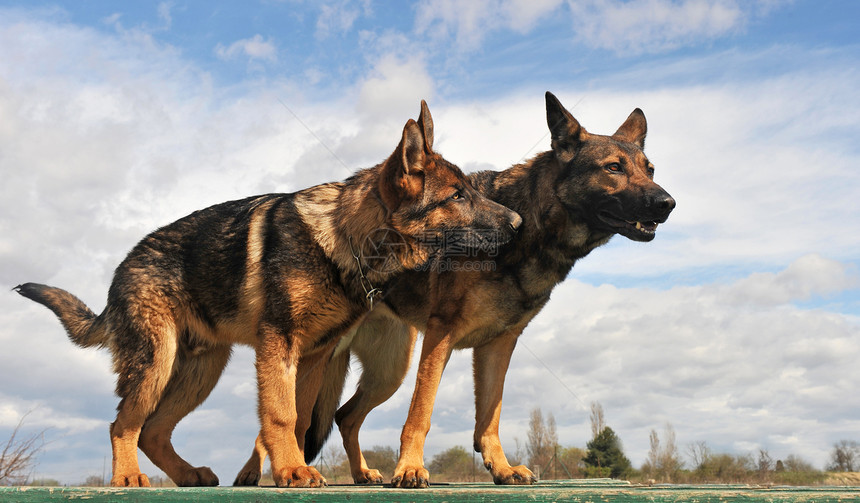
<point>739,324</point>
<point>474,47</point>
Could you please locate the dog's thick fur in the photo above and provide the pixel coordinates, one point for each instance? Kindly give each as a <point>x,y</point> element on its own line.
<point>573,199</point>
<point>282,273</point>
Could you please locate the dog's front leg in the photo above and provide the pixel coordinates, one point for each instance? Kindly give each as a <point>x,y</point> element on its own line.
<point>490,364</point>
<point>435,351</point>
<point>309,377</point>
<point>277,362</point>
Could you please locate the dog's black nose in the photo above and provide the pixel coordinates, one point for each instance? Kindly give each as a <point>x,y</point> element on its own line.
<point>515,221</point>
<point>666,203</point>
<point>661,201</point>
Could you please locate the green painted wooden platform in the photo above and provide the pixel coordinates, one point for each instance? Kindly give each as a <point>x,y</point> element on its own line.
<point>581,491</point>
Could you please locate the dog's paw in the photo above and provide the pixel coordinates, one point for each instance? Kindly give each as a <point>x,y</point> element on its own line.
<point>512,475</point>
<point>411,477</point>
<point>130,480</point>
<point>248,477</point>
<point>302,476</point>
<point>368,476</point>
<point>201,476</point>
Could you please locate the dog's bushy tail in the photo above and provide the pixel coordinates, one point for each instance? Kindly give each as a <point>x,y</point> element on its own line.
<point>84,327</point>
<point>322,420</point>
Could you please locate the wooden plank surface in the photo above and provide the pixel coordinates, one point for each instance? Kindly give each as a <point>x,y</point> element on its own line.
<point>579,491</point>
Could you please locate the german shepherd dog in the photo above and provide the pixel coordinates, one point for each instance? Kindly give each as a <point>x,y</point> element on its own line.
<point>278,272</point>
<point>573,199</point>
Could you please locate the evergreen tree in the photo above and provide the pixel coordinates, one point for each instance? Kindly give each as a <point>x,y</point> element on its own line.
<point>604,451</point>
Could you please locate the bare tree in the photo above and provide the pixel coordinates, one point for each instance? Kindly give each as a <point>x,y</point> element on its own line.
<point>162,481</point>
<point>794,463</point>
<point>699,454</point>
<point>669,460</point>
<point>518,457</point>
<point>844,457</point>
<point>457,464</point>
<point>537,440</point>
<point>334,465</point>
<point>19,456</point>
<point>542,441</point>
<point>94,481</point>
<point>381,458</point>
<point>653,455</point>
<point>765,464</point>
<point>551,434</point>
<point>551,447</point>
<point>663,461</point>
<point>598,423</point>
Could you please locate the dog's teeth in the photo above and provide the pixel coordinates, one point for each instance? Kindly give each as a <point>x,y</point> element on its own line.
<point>638,226</point>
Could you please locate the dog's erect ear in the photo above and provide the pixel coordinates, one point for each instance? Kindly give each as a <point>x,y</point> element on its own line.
<point>634,128</point>
<point>565,130</point>
<point>425,122</point>
<point>413,144</point>
<point>402,176</point>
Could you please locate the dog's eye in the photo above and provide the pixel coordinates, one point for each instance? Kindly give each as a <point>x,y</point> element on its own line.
<point>650,170</point>
<point>457,195</point>
<point>613,168</point>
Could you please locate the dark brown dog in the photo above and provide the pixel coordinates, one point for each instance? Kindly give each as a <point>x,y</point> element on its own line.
<point>283,273</point>
<point>573,199</point>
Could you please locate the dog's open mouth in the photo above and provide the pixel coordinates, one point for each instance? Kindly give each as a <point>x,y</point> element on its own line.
<point>644,227</point>
<point>635,230</point>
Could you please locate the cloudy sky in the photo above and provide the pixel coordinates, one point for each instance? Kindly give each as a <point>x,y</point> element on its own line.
<point>739,324</point>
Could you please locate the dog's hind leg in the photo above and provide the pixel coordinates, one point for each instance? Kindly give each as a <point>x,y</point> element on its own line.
<point>490,364</point>
<point>309,379</point>
<point>124,433</point>
<point>384,348</point>
<point>144,354</point>
<point>194,377</point>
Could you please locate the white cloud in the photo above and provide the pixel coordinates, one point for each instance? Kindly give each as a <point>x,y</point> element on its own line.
<point>807,276</point>
<point>617,25</point>
<point>36,415</point>
<point>339,17</point>
<point>383,101</point>
<point>653,25</point>
<point>395,85</point>
<point>164,14</point>
<point>471,21</point>
<point>254,48</point>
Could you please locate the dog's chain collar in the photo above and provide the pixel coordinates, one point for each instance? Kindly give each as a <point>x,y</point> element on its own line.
<point>370,292</point>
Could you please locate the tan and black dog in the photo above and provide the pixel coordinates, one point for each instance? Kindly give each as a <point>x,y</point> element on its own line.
<point>573,199</point>
<point>283,273</point>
